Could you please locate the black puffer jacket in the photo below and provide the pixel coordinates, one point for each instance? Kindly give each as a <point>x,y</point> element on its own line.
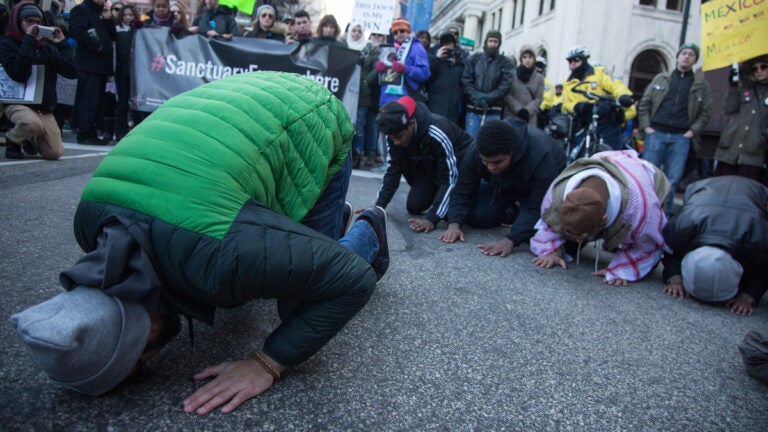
<point>437,148</point>
<point>19,52</point>
<point>729,212</point>
<point>535,163</point>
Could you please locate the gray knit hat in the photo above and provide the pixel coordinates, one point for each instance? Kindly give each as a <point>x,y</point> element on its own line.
<point>84,339</point>
<point>711,274</point>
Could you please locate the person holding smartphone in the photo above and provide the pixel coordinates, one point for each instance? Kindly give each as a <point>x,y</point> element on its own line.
<point>30,43</point>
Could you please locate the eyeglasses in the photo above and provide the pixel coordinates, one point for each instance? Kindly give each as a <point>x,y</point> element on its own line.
<point>266,15</point>
<point>757,67</point>
<point>117,9</point>
<point>574,60</point>
<point>401,31</point>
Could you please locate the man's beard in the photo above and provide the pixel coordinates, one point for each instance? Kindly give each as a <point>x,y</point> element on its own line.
<point>491,52</point>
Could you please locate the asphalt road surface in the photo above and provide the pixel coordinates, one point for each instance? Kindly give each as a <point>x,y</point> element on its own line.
<point>450,341</point>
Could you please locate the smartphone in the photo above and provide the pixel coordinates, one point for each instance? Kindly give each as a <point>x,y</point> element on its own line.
<point>46,32</point>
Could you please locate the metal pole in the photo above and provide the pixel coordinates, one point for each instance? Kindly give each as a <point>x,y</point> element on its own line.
<point>686,11</point>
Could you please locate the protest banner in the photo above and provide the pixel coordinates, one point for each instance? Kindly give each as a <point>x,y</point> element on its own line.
<point>165,66</point>
<point>733,31</point>
<point>374,16</point>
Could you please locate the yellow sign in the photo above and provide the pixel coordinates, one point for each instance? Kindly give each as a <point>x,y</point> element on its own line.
<point>733,31</point>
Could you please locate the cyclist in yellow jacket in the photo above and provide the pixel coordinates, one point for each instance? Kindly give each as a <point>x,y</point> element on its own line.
<point>610,117</point>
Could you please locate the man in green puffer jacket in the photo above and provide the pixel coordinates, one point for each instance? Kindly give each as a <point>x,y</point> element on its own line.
<point>230,192</point>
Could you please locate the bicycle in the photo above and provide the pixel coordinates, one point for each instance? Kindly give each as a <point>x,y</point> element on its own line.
<point>588,139</point>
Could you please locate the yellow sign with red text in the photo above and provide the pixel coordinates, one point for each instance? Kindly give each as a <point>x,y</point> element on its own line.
<point>733,31</point>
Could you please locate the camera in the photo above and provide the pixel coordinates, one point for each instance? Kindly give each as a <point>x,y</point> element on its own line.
<point>45,32</point>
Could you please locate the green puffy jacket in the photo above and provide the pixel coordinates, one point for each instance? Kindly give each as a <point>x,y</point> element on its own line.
<point>211,177</point>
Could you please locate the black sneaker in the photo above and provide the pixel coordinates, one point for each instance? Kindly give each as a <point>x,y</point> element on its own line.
<point>377,218</point>
<point>12,150</point>
<point>93,141</point>
<point>346,219</point>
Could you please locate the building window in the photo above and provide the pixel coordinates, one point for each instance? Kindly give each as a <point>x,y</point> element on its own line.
<point>645,66</point>
<point>522,11</point>
<point>514,13</point>
<point>552,5</point>
<point>676,5</point>
<point>541,6</point>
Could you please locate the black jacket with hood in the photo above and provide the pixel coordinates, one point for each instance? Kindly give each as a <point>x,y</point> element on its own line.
<point>19,52</point>
<point>536,161</point>
<point>437,148</point>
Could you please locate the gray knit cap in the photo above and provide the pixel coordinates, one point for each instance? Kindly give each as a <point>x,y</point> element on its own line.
<point>711,274</point>
<point>84,339</point>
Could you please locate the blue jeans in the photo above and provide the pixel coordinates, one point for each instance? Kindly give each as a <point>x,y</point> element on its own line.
<point>669,152</point>
<point>359,142</point>
<point>325,217</point>
<point>473,121</point>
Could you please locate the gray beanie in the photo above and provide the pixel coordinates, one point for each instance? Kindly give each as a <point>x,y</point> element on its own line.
<point>84,339</point>
<point>30,10</point>
<point>711,274</point>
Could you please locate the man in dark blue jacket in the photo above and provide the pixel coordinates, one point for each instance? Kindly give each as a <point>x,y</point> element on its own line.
<point>22,49</point>
<point>502,180</point>
<point>427,149</point>
<point>94,35</point>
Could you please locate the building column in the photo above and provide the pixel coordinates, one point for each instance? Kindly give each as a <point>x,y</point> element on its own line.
<point>472,27</point>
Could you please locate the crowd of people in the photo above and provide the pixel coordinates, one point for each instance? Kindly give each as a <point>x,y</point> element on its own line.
<point>463,129</point>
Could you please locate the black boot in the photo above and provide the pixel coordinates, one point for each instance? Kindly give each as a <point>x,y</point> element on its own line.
<point>29,147</point>
<point>12,150</point>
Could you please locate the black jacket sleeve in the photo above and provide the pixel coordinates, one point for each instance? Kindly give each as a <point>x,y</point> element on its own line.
<point>391,179</point>
<point>463,197</point>
<point>17,60</point>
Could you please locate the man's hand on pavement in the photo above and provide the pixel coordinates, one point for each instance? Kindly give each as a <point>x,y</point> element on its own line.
<point>500,248</point>
<point>452,234</point>
<point>549,261</point>
<point>741,304</point>
<point>615,282</point>
<point>421,225</point>
<point>675,288</point>
<point>234,383</point>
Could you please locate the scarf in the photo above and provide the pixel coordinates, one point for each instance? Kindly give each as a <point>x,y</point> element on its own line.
<point>524,74</point>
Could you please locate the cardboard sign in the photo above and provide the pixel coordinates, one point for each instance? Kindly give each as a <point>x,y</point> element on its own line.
<point>733,31</point>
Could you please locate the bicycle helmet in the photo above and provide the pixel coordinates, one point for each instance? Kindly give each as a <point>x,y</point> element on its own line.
<point>579,51</point>
<point>541,61</point>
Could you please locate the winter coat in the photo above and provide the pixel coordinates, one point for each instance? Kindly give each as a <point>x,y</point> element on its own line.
<point>444,87</point>
<point>416,74</point>
<point>525,95</point>
<point>634,236</point>
<point>492,77</point>
<point>548,97</point>
<point>123,43</point>
<point>94,50</point>
<point>602,84</point>
<point>536,161</point>
<point>436,149</point>
<point>223,22</point>
<point>213,173</point>
<point>19,52</point>
<point>699,103</point>
<point>728,212</point>
<point>741,142</point>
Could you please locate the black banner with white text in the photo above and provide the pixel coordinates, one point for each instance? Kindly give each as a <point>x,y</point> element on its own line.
<point>165,66</point>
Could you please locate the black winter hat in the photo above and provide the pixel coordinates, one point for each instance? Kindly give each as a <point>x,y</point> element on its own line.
<point>393,116</point>
<point>447,38</point>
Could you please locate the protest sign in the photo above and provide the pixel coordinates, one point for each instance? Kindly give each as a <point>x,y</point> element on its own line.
<point>22,93</point>
<point>374,16</point>
<point>733,31</point>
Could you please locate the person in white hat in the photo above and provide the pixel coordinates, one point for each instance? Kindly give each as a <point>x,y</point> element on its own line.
<point>720,244</point>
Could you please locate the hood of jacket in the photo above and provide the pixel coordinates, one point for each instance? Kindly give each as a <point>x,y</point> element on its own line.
<point>15,23</point>
<point>423,120</point>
